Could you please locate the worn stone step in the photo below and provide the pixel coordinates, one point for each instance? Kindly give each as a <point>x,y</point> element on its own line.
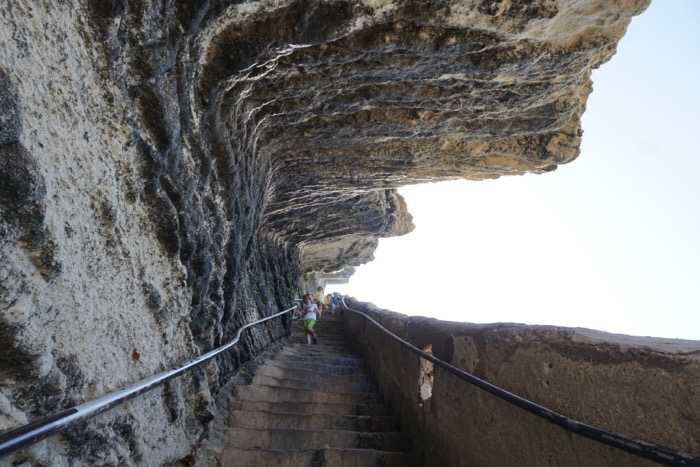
<point>302,383</point>
<point>318,351</point>
<point>255,392</point>
<point>329,350</point>
<point>261,420</point>
<point>293,439</point>
<point>321,348</point>
<point>322,359</point>
<point>324,343</point>
<point>280,373</point>
<point>311,407</point>
<point>319,457</point>
<point>337,333</point>
<point>318,367</point>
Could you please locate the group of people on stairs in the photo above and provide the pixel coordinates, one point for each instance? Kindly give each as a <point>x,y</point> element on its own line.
<point>312,308</point>
<point>330,302</point>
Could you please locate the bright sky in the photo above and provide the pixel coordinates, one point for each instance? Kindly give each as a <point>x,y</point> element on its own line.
<point>610,241</point>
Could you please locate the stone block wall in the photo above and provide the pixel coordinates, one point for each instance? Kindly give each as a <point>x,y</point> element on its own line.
<point>644,388</point>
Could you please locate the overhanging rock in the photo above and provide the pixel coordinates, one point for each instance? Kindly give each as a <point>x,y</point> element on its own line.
<point>168,171</point>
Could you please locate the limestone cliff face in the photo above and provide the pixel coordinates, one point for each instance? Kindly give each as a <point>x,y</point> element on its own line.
<point>169,169</point>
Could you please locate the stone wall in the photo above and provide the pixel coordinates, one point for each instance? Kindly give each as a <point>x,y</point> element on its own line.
<point>644,388</point>
<point>170,169</point>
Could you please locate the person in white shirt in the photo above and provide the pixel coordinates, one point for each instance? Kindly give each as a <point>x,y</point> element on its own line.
<point>310,311</point>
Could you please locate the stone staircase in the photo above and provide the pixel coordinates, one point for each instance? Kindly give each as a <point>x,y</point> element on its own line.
<point>313,405</point>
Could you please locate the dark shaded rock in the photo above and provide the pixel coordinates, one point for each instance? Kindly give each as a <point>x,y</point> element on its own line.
<point>10,121</point>
<point>22,192</point>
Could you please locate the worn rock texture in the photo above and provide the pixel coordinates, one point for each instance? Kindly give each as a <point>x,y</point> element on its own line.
<point>169,170</point>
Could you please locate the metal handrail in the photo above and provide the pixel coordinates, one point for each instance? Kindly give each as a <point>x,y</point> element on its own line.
<point>654,452</point>
<point>36,431</point>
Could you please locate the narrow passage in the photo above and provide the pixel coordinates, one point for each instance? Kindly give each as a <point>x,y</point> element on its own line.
<point>313,405</point>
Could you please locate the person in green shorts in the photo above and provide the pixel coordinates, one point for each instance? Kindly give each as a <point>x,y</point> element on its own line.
<point>310,313</point>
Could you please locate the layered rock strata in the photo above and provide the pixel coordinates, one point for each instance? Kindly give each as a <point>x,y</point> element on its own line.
<point>168,170</point>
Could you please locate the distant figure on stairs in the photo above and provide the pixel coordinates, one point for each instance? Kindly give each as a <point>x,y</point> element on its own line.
<point>320,299</point>
<point>310,311</point>
<point>335,302</point>
<point>329,304</point>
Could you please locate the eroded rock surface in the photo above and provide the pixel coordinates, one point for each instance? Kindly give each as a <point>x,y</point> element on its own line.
<point>169,169</point>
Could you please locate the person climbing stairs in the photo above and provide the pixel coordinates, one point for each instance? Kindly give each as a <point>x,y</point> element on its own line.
<point>313,405</point>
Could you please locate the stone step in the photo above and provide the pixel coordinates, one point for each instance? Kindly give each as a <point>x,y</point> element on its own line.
<point>301,383</point>
<point>318,367</point>
<point>320,350</point>
<point>324,343</point>
<point>305,351</point>
<point>294,439</point>
<point>311,407</point>
<point>282,373</point>
<point>323,328</point>
<point>255,392</point>
<point>261,420</point>
<point>322,359</point>
<point>319,457</point>
<point>335,333</point>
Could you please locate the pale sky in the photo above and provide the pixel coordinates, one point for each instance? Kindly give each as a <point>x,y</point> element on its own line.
<point>607,242</point>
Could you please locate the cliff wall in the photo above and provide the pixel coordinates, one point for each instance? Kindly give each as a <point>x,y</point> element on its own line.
<point>169,169</point>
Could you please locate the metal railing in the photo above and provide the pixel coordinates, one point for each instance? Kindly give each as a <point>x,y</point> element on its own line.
<point>36,431</point>
<point>654,452</point>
